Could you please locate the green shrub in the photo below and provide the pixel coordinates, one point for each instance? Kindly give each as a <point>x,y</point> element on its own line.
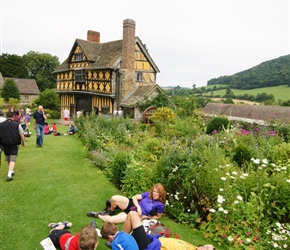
<point>242,155</point>
<point>138,178</point>
<point>118,167</point>
<point>217,124</point>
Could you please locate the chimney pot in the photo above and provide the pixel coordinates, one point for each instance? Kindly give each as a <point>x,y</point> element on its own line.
<point>93,36</point>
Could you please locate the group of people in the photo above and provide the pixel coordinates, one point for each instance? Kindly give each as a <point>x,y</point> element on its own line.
<point>148,205</point>
<point>12,129</point>
<point>50,130</point>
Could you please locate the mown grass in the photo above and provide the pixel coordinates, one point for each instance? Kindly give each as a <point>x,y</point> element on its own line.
<point>281,92</point>
<point>56,183</point>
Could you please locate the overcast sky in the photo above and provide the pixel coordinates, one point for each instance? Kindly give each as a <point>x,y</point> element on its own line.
<point>191,41</point>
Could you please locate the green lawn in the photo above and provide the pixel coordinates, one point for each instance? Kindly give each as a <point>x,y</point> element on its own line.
<point>281,92</point>
<point>56,183</point>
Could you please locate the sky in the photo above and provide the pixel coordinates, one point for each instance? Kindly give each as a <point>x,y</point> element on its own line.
<point>191,41</point>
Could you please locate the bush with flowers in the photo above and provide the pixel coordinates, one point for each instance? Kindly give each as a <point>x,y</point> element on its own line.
<point>233,184</point>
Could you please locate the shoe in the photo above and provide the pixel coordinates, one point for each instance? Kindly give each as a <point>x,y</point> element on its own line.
<point>67,224</point>
<point>54,225</point>
<point>9,178</point>
<point>108,205</point>
<point>96,214</point>
<point>94,224</point>
<point>93,214</point>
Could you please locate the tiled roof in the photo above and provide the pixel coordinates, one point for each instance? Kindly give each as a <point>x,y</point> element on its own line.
<point>101,55</point>
<point>25,86</point>
<point>139,95</point>
<point>255,112</point>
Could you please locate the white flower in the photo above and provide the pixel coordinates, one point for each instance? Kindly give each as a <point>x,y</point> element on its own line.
<point>239,197</point>
<point>184,197</point>
<point>233,177</point>
<point>176,197</point>
<point>245,174</point>
<point>230,238</point>
<point>227,165</point>
<point>166,203</point>
<point>265,161</point>
<point>248,240</point>
<point>256,161</point>
<point>224,178</point>
<point>284,168</point>
<point>275,245</point>
<point>263,165</point>
<point>236,202</point>
<point>228,174</point>
<point>273,164</point>
<point>234,173</point>
<point>220,199</point>
<point>226,211</point>
<point>288,181</point>
<point>285,245</point>
<point>242,177</point>
<point>188,210</point>
<point>221,209</point>
<point>175,169</point>
<point>221,189</point>
<point>212,210</point>
<point>278,224</point>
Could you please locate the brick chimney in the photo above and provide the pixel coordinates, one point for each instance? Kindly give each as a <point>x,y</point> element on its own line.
<point>128,44</point>
<point>93,36</point>
<point>128,53</point>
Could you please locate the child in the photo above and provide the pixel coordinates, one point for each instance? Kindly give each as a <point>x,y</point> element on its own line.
<point>72,129</point>
<point>53,128</point>
<point>86,239</point>
<point>46,129</point>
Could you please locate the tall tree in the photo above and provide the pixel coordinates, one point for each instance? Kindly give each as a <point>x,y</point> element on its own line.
<point>40,67</point>
<point>12,66</point>
<point>10,90</point>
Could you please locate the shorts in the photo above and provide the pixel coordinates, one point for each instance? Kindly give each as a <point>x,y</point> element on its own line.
<point>55,236</point>
<point>66,119</point>
<point>131,207</point>
<point>10,151</point>
<point>140,236</point>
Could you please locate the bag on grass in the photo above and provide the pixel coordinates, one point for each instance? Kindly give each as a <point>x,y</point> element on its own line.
<point>154,227</point>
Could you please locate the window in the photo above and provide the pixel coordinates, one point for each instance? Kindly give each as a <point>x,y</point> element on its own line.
<point>80,75</point>
<point>78,57</point>
<point>139,76</point>
<point>26,97</point>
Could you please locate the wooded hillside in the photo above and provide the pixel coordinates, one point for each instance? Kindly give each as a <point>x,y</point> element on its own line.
<point>270,73</point>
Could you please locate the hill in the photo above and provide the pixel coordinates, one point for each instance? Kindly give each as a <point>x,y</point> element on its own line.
<point>280,92</point>
<point>270,73</point>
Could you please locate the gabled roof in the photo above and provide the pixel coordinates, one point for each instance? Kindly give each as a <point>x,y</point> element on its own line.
<point>253,112</point>
<point>140,94</point>
<point>103,55</point>
<point>25,86</point>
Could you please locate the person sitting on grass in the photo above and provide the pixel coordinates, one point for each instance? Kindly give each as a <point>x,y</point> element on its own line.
<point>53,128</point>
<point>134,237</point>
<point>86,239</point>
<point>46,129</point>
<point>149,205</point>
<point>72,129</point>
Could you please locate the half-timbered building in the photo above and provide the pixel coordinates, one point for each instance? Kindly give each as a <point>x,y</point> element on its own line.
<point>101,77</point>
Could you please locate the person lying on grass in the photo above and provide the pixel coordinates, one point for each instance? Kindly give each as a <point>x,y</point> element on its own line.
<point>134,237</point>
<point>149,205</point>
<point>86,239</point>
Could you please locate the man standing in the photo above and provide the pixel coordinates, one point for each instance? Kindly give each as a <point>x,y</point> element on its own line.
<point>66,116</point>
<point>11,135</point>
<point>39,121</point>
